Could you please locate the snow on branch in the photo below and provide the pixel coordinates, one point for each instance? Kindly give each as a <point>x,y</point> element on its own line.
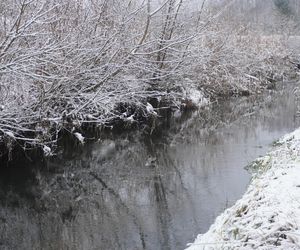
<point>69,63</point>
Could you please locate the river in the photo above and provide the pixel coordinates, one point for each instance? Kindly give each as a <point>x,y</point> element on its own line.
<point>132,191</point>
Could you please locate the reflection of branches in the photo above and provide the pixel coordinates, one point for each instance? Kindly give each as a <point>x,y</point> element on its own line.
<point>163,214</point>
<point>174,165</point>
<point>106,211</point>
<point>166,160</point>
<point>123,205</point>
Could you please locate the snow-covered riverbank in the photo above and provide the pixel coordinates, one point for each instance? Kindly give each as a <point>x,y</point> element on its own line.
<point>74,79</point>
<point>268,215</point>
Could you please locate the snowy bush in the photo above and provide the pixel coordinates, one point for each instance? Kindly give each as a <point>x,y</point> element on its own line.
<point>68,63</point>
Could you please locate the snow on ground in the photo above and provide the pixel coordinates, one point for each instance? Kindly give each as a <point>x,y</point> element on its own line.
<point>193,94</point>
<point>268,215</point>
<point>79,137</point>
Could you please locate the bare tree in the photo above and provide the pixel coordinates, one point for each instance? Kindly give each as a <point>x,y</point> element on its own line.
<point>64,64</point>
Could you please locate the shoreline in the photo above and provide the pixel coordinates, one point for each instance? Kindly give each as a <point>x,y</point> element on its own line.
<point>40,127</point>
<point>149,118</point>
<point>268,214</point>
<point>147,115</point>
<point>48,136</point>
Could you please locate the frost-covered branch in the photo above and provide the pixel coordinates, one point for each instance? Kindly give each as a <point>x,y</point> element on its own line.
<point>67,64</point>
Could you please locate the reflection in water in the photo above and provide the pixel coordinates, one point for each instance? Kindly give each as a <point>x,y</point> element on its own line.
<point>133,192</point>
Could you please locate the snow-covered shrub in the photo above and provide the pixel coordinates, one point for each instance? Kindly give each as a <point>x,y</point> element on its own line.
<point>68,63</point>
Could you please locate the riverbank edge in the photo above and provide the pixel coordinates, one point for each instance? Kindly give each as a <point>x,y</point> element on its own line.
<point>148,115</point>
<point>268,215</point>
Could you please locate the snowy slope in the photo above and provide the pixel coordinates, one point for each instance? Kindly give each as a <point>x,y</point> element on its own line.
<point>268,215</point>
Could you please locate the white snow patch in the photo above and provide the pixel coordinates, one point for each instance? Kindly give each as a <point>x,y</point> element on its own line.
<point>268,215</point>
<point>10,134</point>
<point>79,137</point>
<point>292,136</point>
<point>47,150</point>
<point>195,95</point>
<point>177,113</point>
<point>150,109</point>
<point>91,117</point>
<point>130,119</point>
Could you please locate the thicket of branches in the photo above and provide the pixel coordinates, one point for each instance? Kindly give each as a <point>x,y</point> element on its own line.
<point>66,63</point>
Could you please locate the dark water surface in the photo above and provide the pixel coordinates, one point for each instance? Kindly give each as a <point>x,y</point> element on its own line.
<point>134,192</point>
